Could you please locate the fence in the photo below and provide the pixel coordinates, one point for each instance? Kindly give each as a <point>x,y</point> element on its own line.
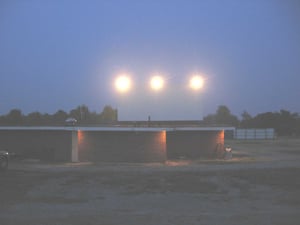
<point>254,134</point>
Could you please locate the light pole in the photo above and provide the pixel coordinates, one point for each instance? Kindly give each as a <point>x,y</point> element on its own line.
<point>196,83</point>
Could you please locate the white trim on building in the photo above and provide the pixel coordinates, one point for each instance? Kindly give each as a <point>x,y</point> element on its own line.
<point>135,129</point>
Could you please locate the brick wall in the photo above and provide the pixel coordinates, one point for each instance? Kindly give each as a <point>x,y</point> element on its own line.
<point>193,144</point>
<point>110,146</point>
<point>46,145</point>
<point>122,146</point>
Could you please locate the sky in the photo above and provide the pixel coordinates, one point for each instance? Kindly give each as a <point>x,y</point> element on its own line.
<point>60,54</point>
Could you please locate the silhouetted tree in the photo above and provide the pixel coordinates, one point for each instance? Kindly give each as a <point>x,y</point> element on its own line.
<point>14,117</point>
<point>34,118</point>
<point>47,119</point>
<point>77,114</point>
<point>284,122</point>
<point>246,116</point>
<point>246,119</point>
<point>59,117</point>
<point>223,116</point>
<point>109,114</point>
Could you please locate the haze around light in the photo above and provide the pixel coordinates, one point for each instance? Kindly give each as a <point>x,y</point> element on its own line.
<point>61,54</point>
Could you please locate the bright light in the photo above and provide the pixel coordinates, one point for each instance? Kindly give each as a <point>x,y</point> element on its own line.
<point>157,83</point>
<point>123,83</point>
<point>196,82</point>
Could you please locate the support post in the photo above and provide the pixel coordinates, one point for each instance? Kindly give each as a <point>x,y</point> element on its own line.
<point>74,150</point>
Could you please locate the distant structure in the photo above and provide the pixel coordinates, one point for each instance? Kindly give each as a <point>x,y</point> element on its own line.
<point>254,134</point>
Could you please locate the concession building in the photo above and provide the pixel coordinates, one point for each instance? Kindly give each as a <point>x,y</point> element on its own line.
<point>111,144</point>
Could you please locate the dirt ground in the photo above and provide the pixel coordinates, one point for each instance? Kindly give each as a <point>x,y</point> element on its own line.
<point>260,185</point>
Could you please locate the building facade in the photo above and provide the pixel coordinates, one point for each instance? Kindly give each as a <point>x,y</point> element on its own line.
<point>110,144</point>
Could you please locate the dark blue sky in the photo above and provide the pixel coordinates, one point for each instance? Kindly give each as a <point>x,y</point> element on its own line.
<point>62,53</point>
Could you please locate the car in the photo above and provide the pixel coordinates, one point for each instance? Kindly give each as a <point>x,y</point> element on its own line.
<point>3,160</point>
<point>70,121</point>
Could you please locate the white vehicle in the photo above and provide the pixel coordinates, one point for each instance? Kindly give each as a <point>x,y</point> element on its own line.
<point>71,121</point>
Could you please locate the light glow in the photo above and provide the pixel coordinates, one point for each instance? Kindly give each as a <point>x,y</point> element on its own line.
<point>123,83</point>
<point>157,83</point>
<point>80,136</point>
<point>196,82</point>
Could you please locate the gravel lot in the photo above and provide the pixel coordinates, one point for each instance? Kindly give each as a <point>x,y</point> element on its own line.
<point>260,185</point>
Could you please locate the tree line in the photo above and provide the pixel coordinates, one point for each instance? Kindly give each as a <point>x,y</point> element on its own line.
<point>82,114</point>
<point>284,122</point>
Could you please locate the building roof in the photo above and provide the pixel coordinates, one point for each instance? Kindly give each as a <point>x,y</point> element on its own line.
<point>135,129</point>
